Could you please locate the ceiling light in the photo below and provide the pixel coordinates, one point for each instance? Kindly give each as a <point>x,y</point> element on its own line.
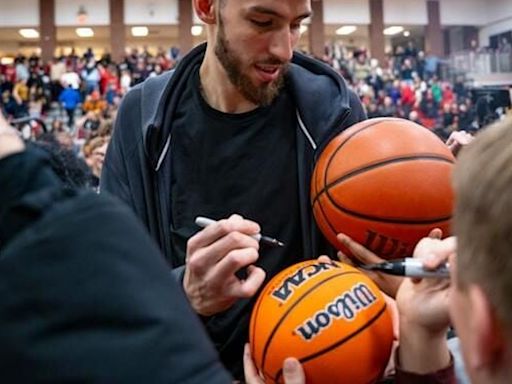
<point>7,60</point>
<point>196,30</point>
<point>407,33</point>
<point>390,31</point>
<point>140,31</point>
<point>29,33</point>
<point>346,30</point>
<point>85,32</point>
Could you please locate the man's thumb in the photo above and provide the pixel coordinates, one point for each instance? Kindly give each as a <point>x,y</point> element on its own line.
<point>293,372</point>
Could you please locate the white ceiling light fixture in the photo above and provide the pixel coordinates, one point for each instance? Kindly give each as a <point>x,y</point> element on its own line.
<point>7,60</point>
<point>29,33</point>
<point>140,31</point>
<point>407,33</point>
<point>346,30</point>
<point>390,31</point>
<point>196,30</point>
<point>84,32</point>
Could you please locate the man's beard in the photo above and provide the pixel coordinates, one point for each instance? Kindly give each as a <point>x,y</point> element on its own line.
<point>263,95</point>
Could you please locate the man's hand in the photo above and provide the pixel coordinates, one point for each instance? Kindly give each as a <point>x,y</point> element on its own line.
<point>10,142</point>
<point>361,255</point>
<point>292,370</point>
<point>457,140</point>
<point>423,310</point>
<point>214,255</point>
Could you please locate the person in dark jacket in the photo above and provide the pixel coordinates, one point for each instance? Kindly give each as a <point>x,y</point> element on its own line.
<point>85,295</point>
<point>234,129</point>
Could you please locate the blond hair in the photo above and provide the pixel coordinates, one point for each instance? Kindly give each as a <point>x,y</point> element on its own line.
<point>483,215</point>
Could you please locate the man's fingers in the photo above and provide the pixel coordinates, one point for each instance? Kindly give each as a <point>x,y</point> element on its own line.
<point>232,262</point>
<point>207,257</point>
<point>247,288</point>
<point>358,251</point>
<point>220,229</point>
<point>434,252</point>
<point>250,370</point>
<point>324,259</point>
<point>293,373</point>
<point>436,233</point>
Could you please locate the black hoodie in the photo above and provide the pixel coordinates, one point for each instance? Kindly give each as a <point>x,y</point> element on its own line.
<point>137,167</point>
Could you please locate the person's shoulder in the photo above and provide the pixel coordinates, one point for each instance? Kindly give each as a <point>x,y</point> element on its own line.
<point>156,83</point>
<point>148,92</point>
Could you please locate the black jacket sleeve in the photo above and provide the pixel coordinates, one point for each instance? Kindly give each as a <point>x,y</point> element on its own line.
<point>114,177</point>
<point>86,295</point>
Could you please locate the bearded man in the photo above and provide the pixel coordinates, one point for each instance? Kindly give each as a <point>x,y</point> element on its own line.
<point>232,134</point>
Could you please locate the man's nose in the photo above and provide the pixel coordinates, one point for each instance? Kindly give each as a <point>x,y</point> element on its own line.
<point>281,46</point>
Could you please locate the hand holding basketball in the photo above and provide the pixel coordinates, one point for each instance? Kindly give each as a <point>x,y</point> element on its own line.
<point>423,308</point>
<point>213,256</point>
<point>360,255</point>
<point>384,182</point>
<point>293,373</point>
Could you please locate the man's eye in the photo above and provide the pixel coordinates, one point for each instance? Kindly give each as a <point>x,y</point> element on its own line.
<point>262,24</point>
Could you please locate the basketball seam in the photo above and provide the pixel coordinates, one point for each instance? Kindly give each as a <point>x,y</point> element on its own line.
<point>256,309</point>
<point>283,318</point>
<point>339,342</point>
<point>327,166</point>
<point>329,225</point>
<point>381,163</point>
<point>393,220</point>
<point>324,176</point>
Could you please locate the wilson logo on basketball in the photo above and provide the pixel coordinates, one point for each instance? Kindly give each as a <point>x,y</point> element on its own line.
<point>385,246</point>
<point>285,290</point>
<point>346,306</point>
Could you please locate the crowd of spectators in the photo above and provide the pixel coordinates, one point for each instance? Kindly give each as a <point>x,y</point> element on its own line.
<point>78,96</point>
<point>409,85</point>
<point>76,100</point>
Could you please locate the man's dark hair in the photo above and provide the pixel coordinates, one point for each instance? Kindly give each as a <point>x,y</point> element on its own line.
<point>72,170</point>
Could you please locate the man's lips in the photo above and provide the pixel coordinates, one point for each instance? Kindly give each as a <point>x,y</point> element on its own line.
<point>268,72</point>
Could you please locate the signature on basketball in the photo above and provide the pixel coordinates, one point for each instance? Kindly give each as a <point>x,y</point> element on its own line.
<point>285,290</point>
<point>346,306</point>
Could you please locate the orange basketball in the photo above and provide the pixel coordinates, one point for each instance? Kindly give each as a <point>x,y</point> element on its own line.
<point>330,316</point>
<point>384,182</point>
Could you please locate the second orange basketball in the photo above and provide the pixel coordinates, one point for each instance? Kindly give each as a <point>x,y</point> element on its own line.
<point>329,316</point>
<point>384,182</point>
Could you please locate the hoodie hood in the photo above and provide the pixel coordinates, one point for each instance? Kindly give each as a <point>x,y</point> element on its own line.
<point>315,87</point>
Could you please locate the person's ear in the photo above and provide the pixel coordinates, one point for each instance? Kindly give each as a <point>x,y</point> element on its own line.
<point>487,337</point>
<point>205,10</point>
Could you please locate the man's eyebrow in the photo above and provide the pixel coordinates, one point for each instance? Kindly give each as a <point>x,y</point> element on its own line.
<point>271,12</point>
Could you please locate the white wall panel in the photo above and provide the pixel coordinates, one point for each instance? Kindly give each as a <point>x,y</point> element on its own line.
<point>346,12</point>
<point>464,12</point>
<point>408,12</point>
<point>19,13</point>
<point>149,12</point>
<point>98,12</point>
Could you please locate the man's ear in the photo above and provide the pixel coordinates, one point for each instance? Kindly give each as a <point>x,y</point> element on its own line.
<point>206,11</point>
<point>487,337</point>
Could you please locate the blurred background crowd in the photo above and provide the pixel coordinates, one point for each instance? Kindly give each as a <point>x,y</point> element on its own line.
<point>70,103</point>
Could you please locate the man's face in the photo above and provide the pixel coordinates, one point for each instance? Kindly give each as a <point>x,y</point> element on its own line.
<point>255,41</point>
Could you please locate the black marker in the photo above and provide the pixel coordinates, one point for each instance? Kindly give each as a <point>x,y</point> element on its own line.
<point>204,222</point>
<point>408,267</point>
